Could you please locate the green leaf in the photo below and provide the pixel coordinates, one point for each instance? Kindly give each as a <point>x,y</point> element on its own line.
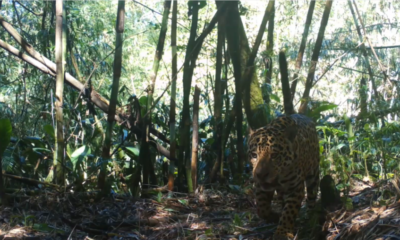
<point>170,210</point>
<point>340,186</point>
<point>210,141</point>
<point>321,149</point>
<point>183,201</point>
<point>79,154</point>
<point>49,130</point>
<point>274,97</point>
<point>351,138</point>
<point>133,150</point>
<point>5,134</point>
<point>237,221</point>
<point>323,108</point>
<point>209,232</point>
<point>338,147</point>
<point>159,197</point>
<point>38,150</point>
<point>42,227</point>
<point>348,204</point>
<point>143,101</point>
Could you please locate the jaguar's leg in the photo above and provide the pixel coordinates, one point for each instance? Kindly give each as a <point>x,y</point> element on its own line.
<point>280,195</point>
<point>293,199</point>
<point>263,201</point>
<point>312,183</point>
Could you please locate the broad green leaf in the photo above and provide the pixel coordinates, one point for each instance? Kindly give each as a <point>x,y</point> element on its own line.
<point>338,147</point>
<point>352,138</point>
<point>210,141</point>
<point>38,150</point>
<point>5,134</point>
<point>323,108</point>
<point>133,150</point>
<point>143,101</point>
<point>79,154</point>
<point>49,130</point>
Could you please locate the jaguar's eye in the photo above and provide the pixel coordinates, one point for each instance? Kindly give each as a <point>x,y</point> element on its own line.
<point>253,155</point>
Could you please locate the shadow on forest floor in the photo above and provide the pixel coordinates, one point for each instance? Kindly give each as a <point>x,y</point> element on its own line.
<point>213,214</point>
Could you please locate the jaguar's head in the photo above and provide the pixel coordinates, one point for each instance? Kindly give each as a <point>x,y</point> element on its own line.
<point>271,150</point>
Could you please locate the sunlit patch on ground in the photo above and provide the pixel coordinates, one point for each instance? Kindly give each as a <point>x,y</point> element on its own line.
<point>211,214</point>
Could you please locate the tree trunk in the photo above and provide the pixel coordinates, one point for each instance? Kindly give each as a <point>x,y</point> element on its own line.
<point>365,54</point>
<point>172,128</point>
<point>60,43</point>
<point>268,58</point>
<point>5,137</point>
<point>236,50</point>
<point>314,57</point>
<point>190,62</point>
<point>256,115</point>
<point>299,59</point>
<point>119,28</point>
<point>195,139</point>
<point>3,196</point>
<point>218,93</point>
<point>362,91</point>
<point>287,98</point>
<point>144,160</point>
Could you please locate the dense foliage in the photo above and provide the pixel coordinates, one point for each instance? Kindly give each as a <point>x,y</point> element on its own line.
<point>356,111</point>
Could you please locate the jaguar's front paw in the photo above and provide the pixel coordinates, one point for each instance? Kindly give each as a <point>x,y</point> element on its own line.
<point>287,236</point>
<point>268,216</point>
<point>282,234</point>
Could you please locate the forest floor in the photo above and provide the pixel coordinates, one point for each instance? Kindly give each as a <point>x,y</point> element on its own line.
<point>373,213</point>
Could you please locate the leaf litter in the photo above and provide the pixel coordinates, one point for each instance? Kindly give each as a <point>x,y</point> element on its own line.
<point>217,213</point>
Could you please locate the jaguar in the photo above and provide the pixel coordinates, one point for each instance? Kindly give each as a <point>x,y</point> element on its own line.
<point>285,158</point>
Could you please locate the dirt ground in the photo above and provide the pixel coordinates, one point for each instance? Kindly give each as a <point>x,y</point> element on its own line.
<point>372,212</point>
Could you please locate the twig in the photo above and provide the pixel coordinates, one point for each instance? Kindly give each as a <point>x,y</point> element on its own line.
<point>333,63</point>
<point>27,9</point>
<point>242,228</point>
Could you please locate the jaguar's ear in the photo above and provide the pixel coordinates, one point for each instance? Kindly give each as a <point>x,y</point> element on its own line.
<point>250,131</point>
<point>291,132</point>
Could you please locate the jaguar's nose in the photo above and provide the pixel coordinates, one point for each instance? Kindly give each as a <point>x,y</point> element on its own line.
<point>264,172</point>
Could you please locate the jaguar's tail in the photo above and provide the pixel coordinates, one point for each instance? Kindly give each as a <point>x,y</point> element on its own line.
<point>287,97</point>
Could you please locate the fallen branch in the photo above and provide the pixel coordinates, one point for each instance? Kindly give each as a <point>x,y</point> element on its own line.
<point>29,180</point>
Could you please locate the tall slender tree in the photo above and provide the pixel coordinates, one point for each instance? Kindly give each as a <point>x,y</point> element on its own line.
<point>218,92</point>
<point>5,136</point>
<point>195,137</point>
<point>148,166</point>
<point>190,62</point>
<point>172,114</point>
<point>60,60</point>
<point>314,57</point>
<point>244,78</point>
<point>300,54</point>
<point>269,53</point>
<point>119,29</point>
